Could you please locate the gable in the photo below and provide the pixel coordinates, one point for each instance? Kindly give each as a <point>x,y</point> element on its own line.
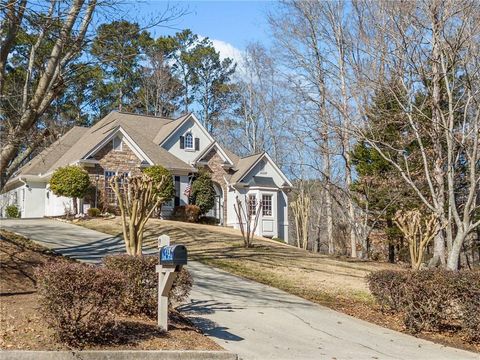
<point>120,142</point>
<point>265,168</point>
<point>176,143</point>
<point>118,151</point>
<point>215,148</point>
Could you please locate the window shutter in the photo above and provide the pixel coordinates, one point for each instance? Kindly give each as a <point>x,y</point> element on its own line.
<point>177,189</point>
<point>182,142</point>
<point>197,144</point>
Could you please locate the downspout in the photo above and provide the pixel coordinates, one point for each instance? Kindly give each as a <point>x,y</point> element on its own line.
<point>24,194</point>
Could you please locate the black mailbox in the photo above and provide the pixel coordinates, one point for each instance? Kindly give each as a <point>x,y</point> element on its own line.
<point>173,255</point>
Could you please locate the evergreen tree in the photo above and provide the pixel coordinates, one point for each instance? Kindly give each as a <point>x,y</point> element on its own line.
<point>119,47</point>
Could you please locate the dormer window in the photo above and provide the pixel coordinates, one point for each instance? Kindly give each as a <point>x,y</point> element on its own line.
<point>189,141</point>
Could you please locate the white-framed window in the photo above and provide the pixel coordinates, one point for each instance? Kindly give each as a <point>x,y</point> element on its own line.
<point>117,144</point>
<point>252,205</point>
<point>189,141</point>
<point>109,193</point>
<point>266,205</point>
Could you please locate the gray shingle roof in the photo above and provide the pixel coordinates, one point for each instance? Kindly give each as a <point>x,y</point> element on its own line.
<point>41,163</point>
<point>262,181</point>
<point>79,141</point>
<point>243,166</point>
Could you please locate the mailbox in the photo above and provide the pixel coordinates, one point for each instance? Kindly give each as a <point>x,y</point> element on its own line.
<point>173,255</point>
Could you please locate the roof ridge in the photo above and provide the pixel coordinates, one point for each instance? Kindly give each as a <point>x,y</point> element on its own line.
<point>256,154</point>
<point>145,115</point>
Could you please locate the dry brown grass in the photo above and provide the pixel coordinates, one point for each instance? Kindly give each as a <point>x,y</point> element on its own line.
<point>338,283</point>
<point>316,277</point>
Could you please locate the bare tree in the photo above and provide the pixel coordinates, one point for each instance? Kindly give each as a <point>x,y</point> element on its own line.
<point>298,29</point>
<point>160,89</point>
<point>431,49</point>
<point>260,117</point>
<point>73,23</point>
<point>248,213</point>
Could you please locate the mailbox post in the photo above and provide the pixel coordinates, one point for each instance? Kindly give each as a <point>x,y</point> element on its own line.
<point>172,259</point>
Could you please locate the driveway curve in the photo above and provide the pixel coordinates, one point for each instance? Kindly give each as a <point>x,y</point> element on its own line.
<point>253,320</point>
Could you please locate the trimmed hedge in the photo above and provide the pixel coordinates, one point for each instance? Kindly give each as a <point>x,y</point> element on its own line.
<point>78,301</point>
<point>140,295</point>
<point>430,299</point>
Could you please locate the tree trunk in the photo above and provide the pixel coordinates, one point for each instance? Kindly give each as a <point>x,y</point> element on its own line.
<point>454,255</point>
<point>328,208</point>
<point>438,258</point>
<point>75,206</point>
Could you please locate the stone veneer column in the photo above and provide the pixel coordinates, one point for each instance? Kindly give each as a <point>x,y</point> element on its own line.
<point>215,166</point>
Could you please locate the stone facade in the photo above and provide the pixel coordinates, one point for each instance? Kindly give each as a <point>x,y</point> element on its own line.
<point>119,161</point>
<point>215,166</point>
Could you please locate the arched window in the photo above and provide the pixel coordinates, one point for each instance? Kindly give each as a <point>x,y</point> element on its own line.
<point>189,141</point>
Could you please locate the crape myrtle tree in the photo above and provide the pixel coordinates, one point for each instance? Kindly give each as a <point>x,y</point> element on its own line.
<point>71,181</point>
<point>138,197</point>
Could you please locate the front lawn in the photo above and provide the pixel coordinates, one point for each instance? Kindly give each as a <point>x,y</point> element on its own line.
<point>338,283</point>
<point>22,327</point>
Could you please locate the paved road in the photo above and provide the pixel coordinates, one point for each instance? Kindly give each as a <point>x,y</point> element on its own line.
<point>254,320</point>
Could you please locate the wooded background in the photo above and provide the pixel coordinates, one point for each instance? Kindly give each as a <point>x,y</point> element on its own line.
<point>370,107</point>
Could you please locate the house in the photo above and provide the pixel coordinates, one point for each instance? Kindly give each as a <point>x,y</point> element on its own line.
<point>124,143</point>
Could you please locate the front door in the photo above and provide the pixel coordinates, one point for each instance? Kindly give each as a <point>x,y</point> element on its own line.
<point>217,210</point>
<point>268,216</point>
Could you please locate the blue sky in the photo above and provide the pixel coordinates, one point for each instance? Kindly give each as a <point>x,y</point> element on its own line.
<point>230,24</point>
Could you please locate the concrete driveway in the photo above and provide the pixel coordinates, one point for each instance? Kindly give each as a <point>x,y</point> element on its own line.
<point>251,319</point>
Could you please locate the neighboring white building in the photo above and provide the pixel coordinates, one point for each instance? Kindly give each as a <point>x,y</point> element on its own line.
<point>124,143</point>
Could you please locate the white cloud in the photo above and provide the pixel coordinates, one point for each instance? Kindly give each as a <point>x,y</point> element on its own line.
<point>227,50</point>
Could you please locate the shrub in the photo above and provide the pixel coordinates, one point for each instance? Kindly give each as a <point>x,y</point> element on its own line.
<point>188,213</point>
<point>208,220</point>
<point>70,181</point>
<point>140,295</point>
<point>430,299</point>
<point>156,173</point>
<point>387,287</point>
<point>467,284</point>
<point>77,300</point>
<point>12,211</point>
<point>203,193</point>
<point>427,300</point>
<point>93,212</point>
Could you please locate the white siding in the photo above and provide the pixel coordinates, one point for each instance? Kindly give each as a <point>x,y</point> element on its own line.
<point>279,221</point>
<point>265,169</point>
<point>187,155</point>
<point>57,205</point>
<point>13,197</point>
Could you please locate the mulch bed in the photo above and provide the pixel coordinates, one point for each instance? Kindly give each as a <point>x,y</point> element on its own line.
<point>22,327</point>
